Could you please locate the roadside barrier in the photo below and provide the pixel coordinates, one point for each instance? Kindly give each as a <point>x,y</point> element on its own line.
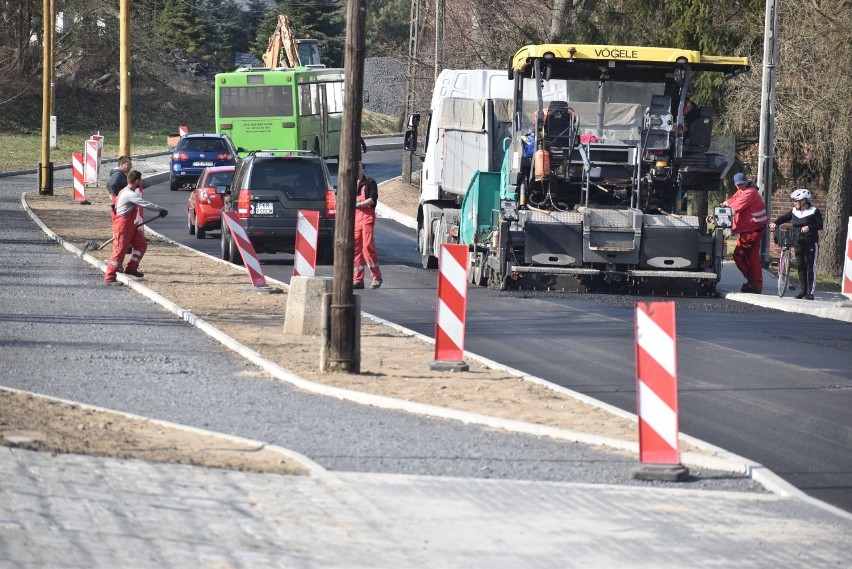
<point>656,392</point>
<point>307,235</point>
<point>847,265</point>
<point>79,186</point>
<point>93,159</point>
<point>450,309</point>
<point>247,252</point>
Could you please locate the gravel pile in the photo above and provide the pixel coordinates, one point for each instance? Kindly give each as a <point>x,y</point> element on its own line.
<point>384,82</point>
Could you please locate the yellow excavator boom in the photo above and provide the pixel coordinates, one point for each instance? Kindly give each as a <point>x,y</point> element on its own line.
<point>282,37</point>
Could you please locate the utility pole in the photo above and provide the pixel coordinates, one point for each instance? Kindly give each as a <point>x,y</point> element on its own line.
<point>766,143</point>
<point>124,80</point>
<point>439,36</point>
<point>410,84</point>
<point>45,167</point>
<point>342,343</point>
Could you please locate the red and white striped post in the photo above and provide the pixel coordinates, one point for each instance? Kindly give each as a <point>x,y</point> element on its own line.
<point>307,235</point>
<point>90,173</point>
<point>79,186</point>
<point>450,309</point>
<point>847,265</point>
<point>100,140</point>
<point>656,393</point>
<point>247,252</point>
<point>183,131</point>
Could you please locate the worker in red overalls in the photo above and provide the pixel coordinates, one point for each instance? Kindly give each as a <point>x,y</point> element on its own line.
<point>749,222</point>
<point>126,231</point>
<point>366,198</point>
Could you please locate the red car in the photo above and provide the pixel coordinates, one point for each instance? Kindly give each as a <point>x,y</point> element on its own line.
<point>206,200</point>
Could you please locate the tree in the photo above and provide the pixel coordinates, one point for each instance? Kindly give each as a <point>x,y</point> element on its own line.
<point>181,26</point>
<point>388,28</point>
<point>813,123</point>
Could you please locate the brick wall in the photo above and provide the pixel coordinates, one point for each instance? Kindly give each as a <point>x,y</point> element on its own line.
<point>785,179</point>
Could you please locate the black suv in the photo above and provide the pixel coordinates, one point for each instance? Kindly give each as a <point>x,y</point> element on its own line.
<point>268,190</point>
<point>195,152</point>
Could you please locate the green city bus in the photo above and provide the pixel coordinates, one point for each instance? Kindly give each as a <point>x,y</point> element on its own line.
<point>281,109</point>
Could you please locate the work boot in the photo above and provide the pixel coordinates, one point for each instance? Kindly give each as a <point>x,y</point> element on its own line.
<point>801,295</point>
<point>114,283</point>
<point>357,285</point>
<point>809,297</point>
<point>135,273</point>
<point>376,283</point>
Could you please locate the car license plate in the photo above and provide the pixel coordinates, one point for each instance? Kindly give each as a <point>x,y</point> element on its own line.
<point>202,164</point>
<point>262,208</point>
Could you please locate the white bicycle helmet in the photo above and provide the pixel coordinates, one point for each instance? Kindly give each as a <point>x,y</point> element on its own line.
<point>801,194</point>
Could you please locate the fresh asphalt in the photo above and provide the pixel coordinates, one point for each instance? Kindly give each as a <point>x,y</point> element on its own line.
<point>63,336</point>
<point>758,375</point>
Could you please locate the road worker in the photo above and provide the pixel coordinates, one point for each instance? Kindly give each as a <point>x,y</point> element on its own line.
<point>127,233</point>
<point>366,198</point>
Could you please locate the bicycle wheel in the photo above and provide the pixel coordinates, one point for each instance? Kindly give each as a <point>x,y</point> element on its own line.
<point>783,271</point>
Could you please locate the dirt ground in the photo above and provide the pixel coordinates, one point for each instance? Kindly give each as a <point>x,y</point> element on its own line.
<point>393,364</point>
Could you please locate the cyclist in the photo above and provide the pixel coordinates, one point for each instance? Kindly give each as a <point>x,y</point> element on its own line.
<point>807,218</point>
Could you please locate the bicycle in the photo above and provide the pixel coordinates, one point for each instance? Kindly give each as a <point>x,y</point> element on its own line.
<point>786,237</point>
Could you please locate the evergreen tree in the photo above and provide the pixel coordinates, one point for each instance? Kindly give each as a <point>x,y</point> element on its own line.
<point>181,27</point>
<point>388,28</point>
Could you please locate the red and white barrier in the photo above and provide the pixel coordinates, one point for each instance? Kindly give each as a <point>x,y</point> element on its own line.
<point>451,308</point>
<point>307,236</point>
<point>100,140</point>
<point>90,173</point>
<point>247,252</point>
<point>656,382</point>
<point>183,131</point>
<point>847,265</point>
<point>77,169</point>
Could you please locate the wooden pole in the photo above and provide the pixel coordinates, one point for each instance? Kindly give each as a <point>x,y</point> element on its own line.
<point>45,170</point>
<point>343,355</point>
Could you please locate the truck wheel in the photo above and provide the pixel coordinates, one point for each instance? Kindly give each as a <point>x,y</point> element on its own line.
<point>426,260</point>
<point>479,270</point>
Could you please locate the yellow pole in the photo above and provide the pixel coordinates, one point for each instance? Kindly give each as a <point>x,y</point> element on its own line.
<point>124,83</point>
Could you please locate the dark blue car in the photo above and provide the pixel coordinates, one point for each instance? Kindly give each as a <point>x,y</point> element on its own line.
<point>195,152</point>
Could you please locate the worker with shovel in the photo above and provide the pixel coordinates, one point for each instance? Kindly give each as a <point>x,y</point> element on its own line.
<point>126,231</point>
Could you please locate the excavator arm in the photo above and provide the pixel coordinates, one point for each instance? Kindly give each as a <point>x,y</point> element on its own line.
<point>282,37</point>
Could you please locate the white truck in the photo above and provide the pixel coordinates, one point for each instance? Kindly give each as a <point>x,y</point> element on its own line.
<point>570,170</point>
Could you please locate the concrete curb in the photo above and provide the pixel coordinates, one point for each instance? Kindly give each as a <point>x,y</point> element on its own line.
<point>312,467</point>
<point>720,460</point>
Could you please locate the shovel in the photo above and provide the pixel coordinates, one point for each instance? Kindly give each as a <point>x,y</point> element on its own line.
<point>92,246</point>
